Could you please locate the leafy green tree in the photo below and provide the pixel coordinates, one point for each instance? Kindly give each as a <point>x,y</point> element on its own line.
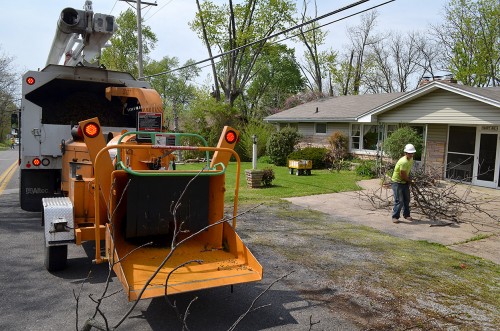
<point>8,86</point>
<point>470,36</point>
<point>122,55</point>
<point>263,132</point>
<point>227,27</point>
<point>277,77</point>
<point>175,88</point>
<point>281,144</point>
<point>206,116</point>
<point>394,145</point>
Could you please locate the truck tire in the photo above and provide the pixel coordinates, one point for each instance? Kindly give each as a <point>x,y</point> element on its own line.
<point>56,257</point>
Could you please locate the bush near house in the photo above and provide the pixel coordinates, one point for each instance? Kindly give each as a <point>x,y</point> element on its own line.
<point>280,144</point>
<point>394,145</point>
<point>367,168</point>
<point>316,154</point>
<point>338,150</point>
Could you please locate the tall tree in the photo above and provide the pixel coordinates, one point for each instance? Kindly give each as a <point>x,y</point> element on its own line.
<point>123,53</point>
<point>470,36</point>
<point>8,87</point>
<point>317,63</point>
<point>362,37</point>
<point>277,77</point>
<point>351,70</point>
<point>175,88</point>
<point>399,62</point>
<point>227,27</point>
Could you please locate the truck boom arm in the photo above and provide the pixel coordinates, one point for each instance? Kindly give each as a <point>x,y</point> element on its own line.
<point>94,29</point>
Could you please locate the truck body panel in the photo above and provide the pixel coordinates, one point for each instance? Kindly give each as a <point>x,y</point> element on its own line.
<point>53,100</point>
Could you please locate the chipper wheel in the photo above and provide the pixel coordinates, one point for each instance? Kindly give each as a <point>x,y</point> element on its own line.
<point>56,257</point>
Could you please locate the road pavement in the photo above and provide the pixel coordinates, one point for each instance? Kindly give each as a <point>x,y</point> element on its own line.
<point>35,299</point>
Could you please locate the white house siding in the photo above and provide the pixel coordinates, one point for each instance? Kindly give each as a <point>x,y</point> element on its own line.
<point>443,107</point>
<point>436,147</point>
<point>309,135</point>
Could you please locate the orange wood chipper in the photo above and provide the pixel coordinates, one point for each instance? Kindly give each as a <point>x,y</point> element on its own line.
<point>125,188</point>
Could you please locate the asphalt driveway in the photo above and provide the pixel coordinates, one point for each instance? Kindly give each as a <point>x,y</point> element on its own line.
<point>352,207</point>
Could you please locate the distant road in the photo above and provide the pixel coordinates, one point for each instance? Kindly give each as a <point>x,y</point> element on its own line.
<point>9,174</point>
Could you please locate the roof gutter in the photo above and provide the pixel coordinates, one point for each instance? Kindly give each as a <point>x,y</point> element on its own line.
<point>308,120</point>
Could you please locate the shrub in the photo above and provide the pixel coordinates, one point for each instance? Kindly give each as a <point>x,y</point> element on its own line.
<point>394,145</point>
<point>280,144</point>
<point>367,168</point>
<point>264,159</point>
<point>338,150</point>
<point>316,154</point>
<point>267,176</point>
<point>245,145</point>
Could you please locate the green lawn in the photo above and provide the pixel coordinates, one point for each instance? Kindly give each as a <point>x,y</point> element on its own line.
<point>284,184</point>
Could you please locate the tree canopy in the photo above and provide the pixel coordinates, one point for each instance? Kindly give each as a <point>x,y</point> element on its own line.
<point>228,27</point>
<point>175,88</point>
<point>470,34</point>
<point>8,87</point>
<point>123,53</point>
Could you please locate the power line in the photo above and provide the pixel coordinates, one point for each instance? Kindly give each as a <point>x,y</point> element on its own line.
<point>280,33</point>
<point>146,19</point>
<point>138,9</point>
<point>265,38</point>
<point>312,29</point>
<point>116,1</point>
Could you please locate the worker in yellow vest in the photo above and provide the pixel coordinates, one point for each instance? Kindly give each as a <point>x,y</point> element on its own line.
<point>401,184</point>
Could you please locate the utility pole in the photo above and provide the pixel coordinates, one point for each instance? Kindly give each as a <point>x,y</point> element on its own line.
<point>138,8</point>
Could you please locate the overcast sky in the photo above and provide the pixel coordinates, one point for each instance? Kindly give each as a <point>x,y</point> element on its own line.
<point>27,27</point>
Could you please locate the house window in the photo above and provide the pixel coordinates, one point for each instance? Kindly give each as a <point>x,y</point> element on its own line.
<point>461,146</point>
<point>364,136</point>
<point>391,128</point>
<point>355,135</point>
<point>321,128</point>
<point>370,137</point>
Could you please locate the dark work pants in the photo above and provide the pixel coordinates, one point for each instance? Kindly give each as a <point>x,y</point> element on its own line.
<point>401,200</point>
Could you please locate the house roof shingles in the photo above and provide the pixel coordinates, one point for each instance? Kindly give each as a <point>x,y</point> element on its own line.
<point>352,107</point>
<point>333,108</point>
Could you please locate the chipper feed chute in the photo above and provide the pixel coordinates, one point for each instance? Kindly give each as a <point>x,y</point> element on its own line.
<point>149,209</point>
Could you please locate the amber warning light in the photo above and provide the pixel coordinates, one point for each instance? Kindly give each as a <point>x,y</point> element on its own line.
<point>36,162</point>
<point>30,80</point>
<point>91,130</point>
<point>231,137</point>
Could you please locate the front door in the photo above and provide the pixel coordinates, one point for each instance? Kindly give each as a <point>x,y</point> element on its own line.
<point>486,165</point>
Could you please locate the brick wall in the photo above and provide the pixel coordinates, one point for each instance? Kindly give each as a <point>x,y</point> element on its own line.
<point>435,157</point>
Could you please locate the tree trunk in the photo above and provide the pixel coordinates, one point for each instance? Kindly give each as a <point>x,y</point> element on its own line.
<point>216,90</point>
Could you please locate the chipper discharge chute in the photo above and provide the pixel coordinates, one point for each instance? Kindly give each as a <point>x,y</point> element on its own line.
<point>164,226</point>
<point>154,207</point>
